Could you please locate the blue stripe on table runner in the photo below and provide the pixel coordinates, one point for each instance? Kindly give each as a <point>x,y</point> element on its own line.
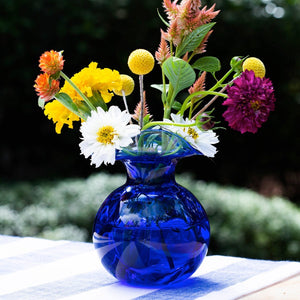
<point>63,288</point>
<point>42,256</point>
<point>220,279</point>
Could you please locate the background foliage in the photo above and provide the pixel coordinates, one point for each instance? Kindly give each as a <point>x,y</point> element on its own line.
<point>106,31</point>
<point>243,223</point>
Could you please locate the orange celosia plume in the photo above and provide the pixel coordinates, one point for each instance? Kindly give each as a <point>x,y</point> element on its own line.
<point>186,17</point>
<point>199,84</point>
<point>163,52</point>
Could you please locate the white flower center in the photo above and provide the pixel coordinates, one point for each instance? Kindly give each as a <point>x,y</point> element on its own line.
<point>106,135</point>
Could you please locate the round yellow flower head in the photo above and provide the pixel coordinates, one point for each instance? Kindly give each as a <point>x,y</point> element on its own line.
<point>127,85</point>
<point>256,65</point>
<point>140,62</point>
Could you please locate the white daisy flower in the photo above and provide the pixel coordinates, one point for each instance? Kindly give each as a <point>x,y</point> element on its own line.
<point>199,139</point>
<point>104,132</point>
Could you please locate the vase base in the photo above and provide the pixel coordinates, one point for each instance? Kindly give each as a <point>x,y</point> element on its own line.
<point>150,262</point>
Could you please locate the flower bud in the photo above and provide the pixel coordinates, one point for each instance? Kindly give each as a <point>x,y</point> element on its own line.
<point>236,63</point>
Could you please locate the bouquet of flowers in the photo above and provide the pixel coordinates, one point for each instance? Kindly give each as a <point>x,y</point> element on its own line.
<point>105,127</point>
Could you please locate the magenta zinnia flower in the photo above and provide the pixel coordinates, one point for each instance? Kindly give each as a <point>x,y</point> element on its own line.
<point>250,100</point>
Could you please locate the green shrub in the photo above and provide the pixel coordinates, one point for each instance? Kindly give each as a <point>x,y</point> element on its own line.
<point>243,223</point>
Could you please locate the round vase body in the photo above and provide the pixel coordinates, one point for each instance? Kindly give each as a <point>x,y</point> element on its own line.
<point>151,230</point>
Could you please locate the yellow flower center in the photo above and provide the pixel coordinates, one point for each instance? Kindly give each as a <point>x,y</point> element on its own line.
<point>106,135</point>
<point>193,133</point>
<point>255,105</point>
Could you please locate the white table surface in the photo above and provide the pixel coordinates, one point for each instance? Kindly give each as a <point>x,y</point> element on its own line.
<point>32,268</point>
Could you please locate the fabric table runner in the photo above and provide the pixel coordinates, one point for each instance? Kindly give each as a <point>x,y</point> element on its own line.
<point>32,268</point>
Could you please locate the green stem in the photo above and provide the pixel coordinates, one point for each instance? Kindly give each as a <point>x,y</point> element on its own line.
<point>171,48</point>
<point>155,123</point>
<point>186,105</point>
<point>193,54</point>
<point>86,100</point>
<point>219,83</point>
<point>169,102</point>
<point>125,104</point>
<point>207,105</point>
<point>141,82</point>
<point>164,93</point>
<point>191,108</point>
<point>211,91</point>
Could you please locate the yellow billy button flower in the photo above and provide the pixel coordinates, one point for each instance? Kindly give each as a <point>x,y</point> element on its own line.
<point>127,86</point>
<point>141,62</point>
<point>256,65</point>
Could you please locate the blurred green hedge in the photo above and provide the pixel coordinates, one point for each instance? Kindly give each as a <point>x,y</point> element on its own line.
<point>243,223</point>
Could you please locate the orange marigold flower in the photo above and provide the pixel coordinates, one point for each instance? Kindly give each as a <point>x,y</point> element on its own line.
<point>44,88</point>
<point>51,62</point>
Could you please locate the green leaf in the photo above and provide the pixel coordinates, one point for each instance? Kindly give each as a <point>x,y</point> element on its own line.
<point>180,74</point>
<point>176,105</point>
<point>194,39</point>
<point>41,103</point>
<point>207,63</point>
<point>84,110</point>
<point>163,20</point>
<point>97,100</point>
<point>66,100</point>
<point>55,76</point>
<point>160,87</point>
<point>146,119</point>
<point>236,64</point>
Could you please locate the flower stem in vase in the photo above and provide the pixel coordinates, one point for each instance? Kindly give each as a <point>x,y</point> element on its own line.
<point>141,82</point>
<point>166,250</point>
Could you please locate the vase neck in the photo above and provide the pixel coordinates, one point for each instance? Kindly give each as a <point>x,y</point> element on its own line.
<point>143,171</point>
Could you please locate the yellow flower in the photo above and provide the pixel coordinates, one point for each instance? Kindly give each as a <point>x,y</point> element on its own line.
<point>141,62</point>
<point>256,65</point>
<point>60,115</point>
<point>127,86</point>
<point>93,79</point>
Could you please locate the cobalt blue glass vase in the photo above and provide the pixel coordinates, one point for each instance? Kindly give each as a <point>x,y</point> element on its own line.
<point>152,231</point>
